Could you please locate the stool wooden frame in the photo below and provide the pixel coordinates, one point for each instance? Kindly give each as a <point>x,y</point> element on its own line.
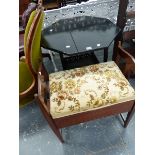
<point>42,99</point>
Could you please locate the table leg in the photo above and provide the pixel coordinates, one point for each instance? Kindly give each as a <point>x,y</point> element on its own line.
<point>105,54</point>
<point>114,51</point>
<point>115,48</point>
<point>62,61</point>
<point>52,59</point>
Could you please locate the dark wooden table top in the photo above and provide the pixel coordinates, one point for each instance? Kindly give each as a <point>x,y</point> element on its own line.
<point>79,34</point>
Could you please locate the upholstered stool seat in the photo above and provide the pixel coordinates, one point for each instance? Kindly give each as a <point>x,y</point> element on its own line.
<point>88,88</point>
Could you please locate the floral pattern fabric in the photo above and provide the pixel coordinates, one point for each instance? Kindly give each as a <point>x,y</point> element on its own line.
<point>88,88</point>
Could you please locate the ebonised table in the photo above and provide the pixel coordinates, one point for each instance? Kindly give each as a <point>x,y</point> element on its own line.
<point>79,35</point>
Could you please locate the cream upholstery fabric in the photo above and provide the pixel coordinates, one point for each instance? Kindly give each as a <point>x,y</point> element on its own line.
<point>88,88</point>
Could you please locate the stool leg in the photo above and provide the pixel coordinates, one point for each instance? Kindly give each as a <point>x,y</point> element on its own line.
<point>105,54</point>
<point>129,116</point>
<point>49,119</point>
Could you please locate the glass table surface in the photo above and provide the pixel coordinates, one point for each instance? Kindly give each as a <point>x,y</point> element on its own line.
<point>79,34</point>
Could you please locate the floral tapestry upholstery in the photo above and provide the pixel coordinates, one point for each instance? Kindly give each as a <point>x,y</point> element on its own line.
<point>88,88</point>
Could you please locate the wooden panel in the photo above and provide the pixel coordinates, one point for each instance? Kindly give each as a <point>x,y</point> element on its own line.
<point>91,115</point>
<point>121,21</point>
<point>128,35</point>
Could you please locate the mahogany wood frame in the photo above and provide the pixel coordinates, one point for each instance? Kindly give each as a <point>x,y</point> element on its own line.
<point>33,87</point>
<point>128,35</point>
<point>122,17</point>
<point>121,20</point>
<point>42,99</point>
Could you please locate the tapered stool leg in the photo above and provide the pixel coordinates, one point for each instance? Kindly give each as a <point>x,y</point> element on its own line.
<point>129,116</point>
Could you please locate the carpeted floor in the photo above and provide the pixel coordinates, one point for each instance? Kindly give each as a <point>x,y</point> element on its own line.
<point>104,136</point>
